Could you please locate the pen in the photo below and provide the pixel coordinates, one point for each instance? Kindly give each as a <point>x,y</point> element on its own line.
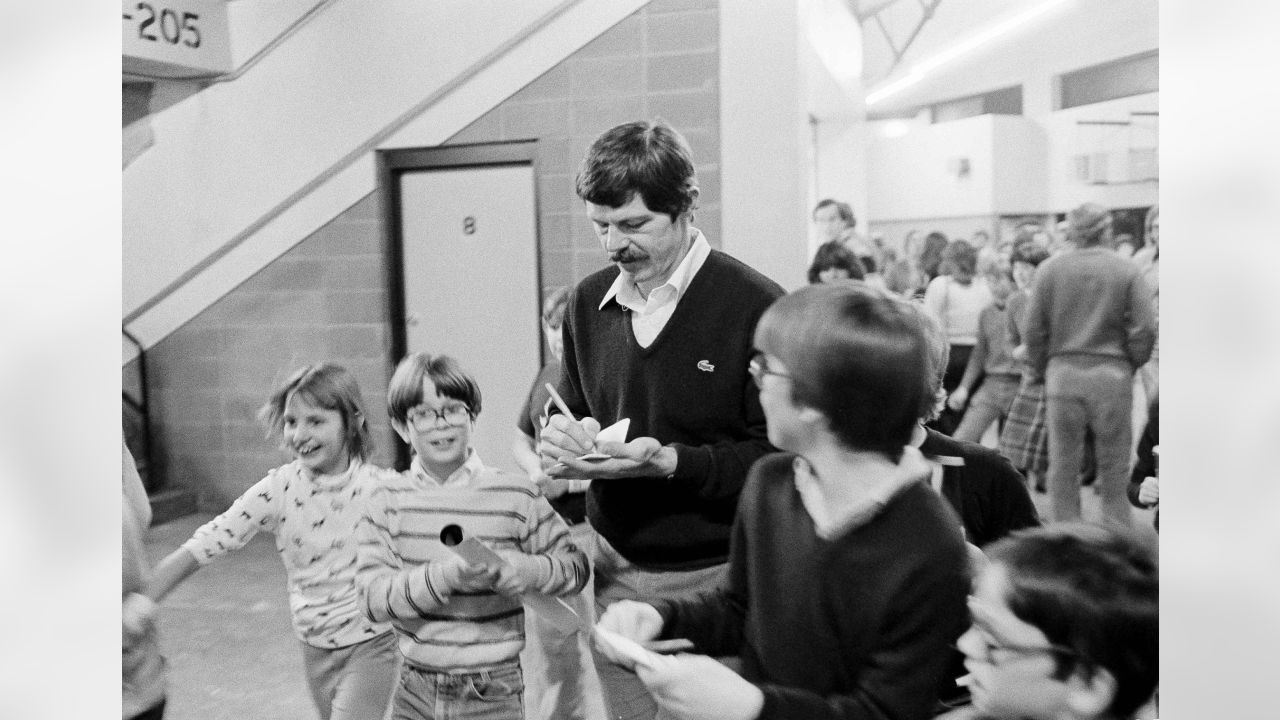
<point>555,396</point>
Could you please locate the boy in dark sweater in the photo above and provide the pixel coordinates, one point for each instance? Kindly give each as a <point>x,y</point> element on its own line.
<point>848,573</point>
<point>661,338</point>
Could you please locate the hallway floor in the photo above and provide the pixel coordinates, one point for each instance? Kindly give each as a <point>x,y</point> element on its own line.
<point>226,635</point>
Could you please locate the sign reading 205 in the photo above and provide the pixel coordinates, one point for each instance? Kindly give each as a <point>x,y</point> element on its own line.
<point>161,24</point>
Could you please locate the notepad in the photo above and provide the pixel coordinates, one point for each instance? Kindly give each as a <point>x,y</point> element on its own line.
<point>616,432</point>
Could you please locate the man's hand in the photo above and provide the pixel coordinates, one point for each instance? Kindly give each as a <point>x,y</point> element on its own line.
<point>632,620</point>
<point>1149,491</point>
<point>1019,353</point>
<point>552,488</point>
<point>696,687</point>
<point>959,398</point>
<point>462,576</point>
<point>563,438</point>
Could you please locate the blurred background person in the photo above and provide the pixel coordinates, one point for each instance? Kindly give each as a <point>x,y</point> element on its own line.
<point>956,299</point>
<point>834,261</point>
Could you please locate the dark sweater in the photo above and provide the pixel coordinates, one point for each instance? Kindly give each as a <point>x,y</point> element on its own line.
<point>1089,303</point>
<point>987,492</point>
<point>689,389</point>
<point>856,627</point>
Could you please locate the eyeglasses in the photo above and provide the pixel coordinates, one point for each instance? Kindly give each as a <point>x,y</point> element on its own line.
<point>988,650</point>
<point>425,418</point>
<point>758,366</point>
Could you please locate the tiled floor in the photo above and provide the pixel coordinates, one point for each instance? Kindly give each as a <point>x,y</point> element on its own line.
<point>225,631</point>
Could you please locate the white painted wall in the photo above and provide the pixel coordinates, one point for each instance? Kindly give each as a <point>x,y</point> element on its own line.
<point>1067,138</point>
<point>914,176</point>
<point>228,155</point>
<point>764,135</point>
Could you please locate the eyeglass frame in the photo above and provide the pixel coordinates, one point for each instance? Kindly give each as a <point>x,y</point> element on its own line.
<point>417,415</point>
<point>758,367</point>
<point>989,649</point>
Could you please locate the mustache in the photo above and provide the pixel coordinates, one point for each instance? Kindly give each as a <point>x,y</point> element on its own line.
<point>626,255</point>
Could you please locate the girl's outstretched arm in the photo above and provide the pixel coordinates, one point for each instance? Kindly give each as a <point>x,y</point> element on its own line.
<point>176,567</point>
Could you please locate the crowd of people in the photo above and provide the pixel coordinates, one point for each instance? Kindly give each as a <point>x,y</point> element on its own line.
<point>799,520</point>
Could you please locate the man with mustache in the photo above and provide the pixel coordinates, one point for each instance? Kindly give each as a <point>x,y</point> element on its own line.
<point>663,338</point>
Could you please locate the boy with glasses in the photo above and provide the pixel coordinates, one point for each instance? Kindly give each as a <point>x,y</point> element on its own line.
<point>461,626</point>
<point>847,573</point>
<point>1065,626</point>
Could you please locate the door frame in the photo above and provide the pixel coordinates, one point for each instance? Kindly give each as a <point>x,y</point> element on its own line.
<point>391,165</point>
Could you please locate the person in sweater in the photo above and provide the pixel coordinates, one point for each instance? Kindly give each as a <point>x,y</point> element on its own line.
<point>1066,622</point>
<point>312,506</point>
<point>560,680</point>
<point>848,573</point>
<point>984,489</point>
<point>1144,482</point>
<point>141,665</point>
<point>1024,439</point>
<point>661,338</point>
<point>956,299</point>
<point>460,625</point>
<point>1090,326</point>
<point>990,363</point>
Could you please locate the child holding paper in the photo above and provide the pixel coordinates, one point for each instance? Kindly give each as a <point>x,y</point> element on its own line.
<point>847,573</point>
<point>461,626</point>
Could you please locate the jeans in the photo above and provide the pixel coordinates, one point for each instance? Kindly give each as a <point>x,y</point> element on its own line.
<point>625,697</point>
<point>1094,394</point>
<point>353,682</point>
<point>488,695</point>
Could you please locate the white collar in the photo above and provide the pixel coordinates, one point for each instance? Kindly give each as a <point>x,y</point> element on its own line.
<point>628,294</point>
<point>832,521</point>
<point>465,473</point>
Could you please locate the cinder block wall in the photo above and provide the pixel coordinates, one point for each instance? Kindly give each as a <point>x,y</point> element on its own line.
<point>662,61</point>
<point>326,298</point>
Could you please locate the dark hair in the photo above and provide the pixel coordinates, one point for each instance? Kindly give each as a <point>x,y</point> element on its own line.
<point>843,209</point>
<point>856,355</point>
<point>834,254</point>
<point>405,391</point>
<point>1029,252</point>
<point>1126,239</point>
<point>553,305</point>
<point>1088,225</point>
<point>931,254</point>
<point>646,157</point>
<point>1093,589</point>
<point>960,257</point>
<point>328,386</point>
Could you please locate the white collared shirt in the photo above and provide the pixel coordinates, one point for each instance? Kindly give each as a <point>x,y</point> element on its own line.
<point>831,517</point>
<point>463,476</point>
<point>650,315</point>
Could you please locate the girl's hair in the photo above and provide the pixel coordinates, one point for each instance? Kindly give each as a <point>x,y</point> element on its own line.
<point>856,355</point>
<point>835,254</point>
<point>959,257</point>
<point>330,387</point>
<point>451,381</point>
<point>931,253</point>
<point>1152,215</point>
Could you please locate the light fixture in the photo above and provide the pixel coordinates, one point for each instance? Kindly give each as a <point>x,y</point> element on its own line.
<point>973,42</point>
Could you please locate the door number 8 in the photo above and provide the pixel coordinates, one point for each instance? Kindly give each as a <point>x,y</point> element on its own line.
<point>469,225</point>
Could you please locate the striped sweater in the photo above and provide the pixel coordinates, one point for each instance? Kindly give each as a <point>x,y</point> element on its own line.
<point>400,577</point>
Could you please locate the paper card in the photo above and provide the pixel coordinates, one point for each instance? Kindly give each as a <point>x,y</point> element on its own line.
<point>554,610</point>
<point>625,647</point>
<point>616,432</point>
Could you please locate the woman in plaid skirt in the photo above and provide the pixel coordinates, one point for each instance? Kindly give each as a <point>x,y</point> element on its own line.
<point>1025,438</point>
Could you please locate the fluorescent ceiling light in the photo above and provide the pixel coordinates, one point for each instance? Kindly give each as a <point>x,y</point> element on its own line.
<point>968,45</point>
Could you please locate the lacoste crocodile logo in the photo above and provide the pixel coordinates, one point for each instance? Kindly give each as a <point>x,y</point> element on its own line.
<point>705,366</point>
